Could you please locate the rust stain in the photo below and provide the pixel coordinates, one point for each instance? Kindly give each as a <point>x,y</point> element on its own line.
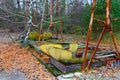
<point>88,35</point>
<point>107,27</point>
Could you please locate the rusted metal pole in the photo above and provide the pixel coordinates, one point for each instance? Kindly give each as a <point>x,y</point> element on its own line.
<point>106,28</point>
<point>88,35</point>
<point>99,40</point>
<point>115,45</point>
<point>109,26</point>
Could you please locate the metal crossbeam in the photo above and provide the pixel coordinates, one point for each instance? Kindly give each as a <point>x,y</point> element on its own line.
<point>107,27</point>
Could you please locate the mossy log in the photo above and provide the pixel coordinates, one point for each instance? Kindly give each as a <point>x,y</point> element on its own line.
<point>64,56</point>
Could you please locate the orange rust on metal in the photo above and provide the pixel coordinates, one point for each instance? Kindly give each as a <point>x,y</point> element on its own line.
<point>115,45</point>
<point>99,20</point>
<point>99,40</point>
<point>107,25</point>
<point>88,35</point>
<point>106,28</point>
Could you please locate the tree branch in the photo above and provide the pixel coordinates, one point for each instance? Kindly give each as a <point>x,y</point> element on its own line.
<point>12,12</point>
<point>10,20</point>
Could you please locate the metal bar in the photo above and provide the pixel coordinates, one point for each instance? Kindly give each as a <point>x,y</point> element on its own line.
<point>115,45</point>
<point>88,35</point>
<point>99,40</point>
<point>108,26</point>
<point>99,20</point>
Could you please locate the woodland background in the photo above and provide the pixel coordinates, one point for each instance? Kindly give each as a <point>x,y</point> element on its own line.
<point>75,15</point>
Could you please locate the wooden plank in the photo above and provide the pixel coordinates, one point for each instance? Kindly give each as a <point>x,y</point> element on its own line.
<point>65,67</point>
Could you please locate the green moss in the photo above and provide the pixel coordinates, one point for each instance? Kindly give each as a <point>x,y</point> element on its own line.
<point>35,35</point>
<point>47,35</point>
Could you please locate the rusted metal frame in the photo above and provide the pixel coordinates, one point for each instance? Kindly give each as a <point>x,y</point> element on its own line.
<point>103,21</point>
<point>106,28</point>
<point>109,27</point>
<point>58,11</point>
<point>108,21</point>
<point>88,35</point>
<point>93,54</point>
<point>115,45</point>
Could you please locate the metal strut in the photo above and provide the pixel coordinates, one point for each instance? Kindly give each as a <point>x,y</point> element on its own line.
<point>107,27</point>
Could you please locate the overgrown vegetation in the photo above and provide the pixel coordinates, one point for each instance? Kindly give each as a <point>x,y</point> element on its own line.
<point>100,13</point>
<point>75,15</point>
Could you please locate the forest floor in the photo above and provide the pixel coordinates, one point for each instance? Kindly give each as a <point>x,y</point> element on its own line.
<point>12,57</point>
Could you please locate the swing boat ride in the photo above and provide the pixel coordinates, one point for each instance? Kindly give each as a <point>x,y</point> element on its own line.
<point>68,57</point>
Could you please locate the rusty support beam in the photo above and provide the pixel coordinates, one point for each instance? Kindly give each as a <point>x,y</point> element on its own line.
<point>108,21</point>
<point>99,20</point>
<point>93,54</point>
<point>115,45</point>
<point>106,28</point>
<point>88,35</point>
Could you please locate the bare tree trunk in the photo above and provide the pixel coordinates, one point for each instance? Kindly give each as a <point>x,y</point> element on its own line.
<point>18,3</point>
